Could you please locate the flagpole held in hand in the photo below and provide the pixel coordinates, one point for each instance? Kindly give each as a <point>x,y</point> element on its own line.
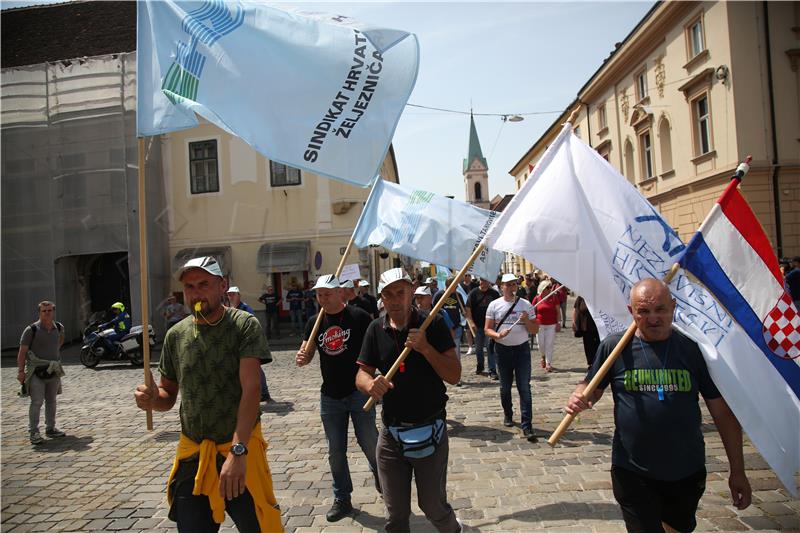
<point>435,311</point>
<point>603,370</point>
<point>310,346</point>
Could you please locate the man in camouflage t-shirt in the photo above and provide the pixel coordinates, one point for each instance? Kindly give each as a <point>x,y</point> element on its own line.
<point>213,360</point>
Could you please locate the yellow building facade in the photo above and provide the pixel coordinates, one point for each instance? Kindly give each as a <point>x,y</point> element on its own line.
<point>267,224</point>
<point>690,92</point>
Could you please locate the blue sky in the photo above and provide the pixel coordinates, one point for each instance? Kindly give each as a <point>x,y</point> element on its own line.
<point>505,58</point>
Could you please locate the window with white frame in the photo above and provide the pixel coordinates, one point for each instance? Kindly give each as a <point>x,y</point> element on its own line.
<point>702,121</point>
<point>646,151</point>
<point>203,167</point>
<point>696,38</point>
<point>602,121</point>
<point>641,85</point>
<point>281,175</point>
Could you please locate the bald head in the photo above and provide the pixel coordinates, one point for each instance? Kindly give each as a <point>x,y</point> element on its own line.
<point>652,307</point>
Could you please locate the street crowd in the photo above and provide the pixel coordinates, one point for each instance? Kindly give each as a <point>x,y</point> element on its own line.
<point>212,356</point>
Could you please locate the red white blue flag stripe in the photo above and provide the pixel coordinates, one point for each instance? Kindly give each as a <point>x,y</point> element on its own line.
<point>731,255</point>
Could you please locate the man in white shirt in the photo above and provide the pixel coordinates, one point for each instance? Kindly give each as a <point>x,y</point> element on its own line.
<point>508,323</point>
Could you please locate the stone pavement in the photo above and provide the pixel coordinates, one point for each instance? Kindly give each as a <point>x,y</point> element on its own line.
<point>108,474</point>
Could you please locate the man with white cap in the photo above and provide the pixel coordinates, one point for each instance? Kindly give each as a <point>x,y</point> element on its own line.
<point>413,440</point>
<point>338,340</point>
<point>213,361</point>
<point>363,289</point>
<point>508,322</point>
<point>352,298</point>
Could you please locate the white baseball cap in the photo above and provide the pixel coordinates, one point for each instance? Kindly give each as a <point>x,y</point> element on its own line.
<point>207,263</point>
<point>328,281</point>
<point>430,280</point>
<point>508,277</point>
<point>391,276</point>
<point>233,289</point>
<point>363,283</point>
<point>347,284</point>
<point>422,290</point>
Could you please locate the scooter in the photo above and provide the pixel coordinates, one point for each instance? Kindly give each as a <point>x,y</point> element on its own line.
<point>129,347</point>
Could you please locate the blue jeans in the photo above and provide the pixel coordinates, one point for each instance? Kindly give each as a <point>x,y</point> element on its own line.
<point>459,332</point>
<point>335,416</point>
<point>515,362</point>
<point>482,340</point>
<point>297,319</point>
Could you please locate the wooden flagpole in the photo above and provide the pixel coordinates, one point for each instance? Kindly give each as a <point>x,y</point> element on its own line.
<point>436,308</point>
<point>143,281</point>
<point>603,370</point>
<point>741,170</point>
<point>309,351</point>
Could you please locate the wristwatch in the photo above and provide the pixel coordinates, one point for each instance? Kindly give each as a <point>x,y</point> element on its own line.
<point>239,449</point>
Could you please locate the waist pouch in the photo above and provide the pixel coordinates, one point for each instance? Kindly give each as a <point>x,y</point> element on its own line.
<point>417,442</point>
<point>42,373</point>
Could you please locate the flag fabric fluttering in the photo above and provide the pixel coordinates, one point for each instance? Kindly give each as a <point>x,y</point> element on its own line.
<point>425,226</point>
<point>582,222</point>
<point>319,92</point>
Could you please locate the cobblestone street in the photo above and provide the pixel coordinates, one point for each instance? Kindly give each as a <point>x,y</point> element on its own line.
<point>109,472</point>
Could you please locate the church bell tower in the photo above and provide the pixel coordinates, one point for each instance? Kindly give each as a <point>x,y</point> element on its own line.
<point>476,171</point>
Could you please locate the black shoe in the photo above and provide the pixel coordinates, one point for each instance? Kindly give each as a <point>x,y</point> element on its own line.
<point>479,372</point>
<point>493,376</point>
<point>508,422</point>
<point>339,510</point>
<point>528,434</point>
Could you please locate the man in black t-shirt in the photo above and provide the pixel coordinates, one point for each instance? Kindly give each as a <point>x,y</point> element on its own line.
<point>477,302</point>
<point>658,455</point>
<point>338,341</point>
<point>415,397</point>
<point>271,303</point>
<point>372,302</point>
<point>353,299</point>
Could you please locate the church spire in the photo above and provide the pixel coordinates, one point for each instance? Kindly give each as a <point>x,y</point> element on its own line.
<point>474,146</point>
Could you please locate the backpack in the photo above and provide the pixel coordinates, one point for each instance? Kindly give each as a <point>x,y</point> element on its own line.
<point>59,327</point>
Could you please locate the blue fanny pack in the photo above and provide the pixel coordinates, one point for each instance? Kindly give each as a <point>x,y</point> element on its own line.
<point>417,442</point>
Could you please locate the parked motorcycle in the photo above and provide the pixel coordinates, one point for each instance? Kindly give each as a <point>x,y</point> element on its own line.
<point>128,348</point>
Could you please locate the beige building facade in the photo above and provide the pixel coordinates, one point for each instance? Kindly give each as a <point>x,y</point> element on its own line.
<point>688,94</point>
<point>267,224</point>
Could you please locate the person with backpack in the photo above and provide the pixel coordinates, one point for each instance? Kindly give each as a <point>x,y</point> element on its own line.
<point>39,370</point>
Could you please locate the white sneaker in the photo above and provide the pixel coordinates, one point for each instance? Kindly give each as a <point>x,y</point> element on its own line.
<point>36,438</point>
<point>471,350</point>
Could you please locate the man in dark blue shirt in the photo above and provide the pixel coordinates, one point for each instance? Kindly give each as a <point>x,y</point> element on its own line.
<point>658,455</point>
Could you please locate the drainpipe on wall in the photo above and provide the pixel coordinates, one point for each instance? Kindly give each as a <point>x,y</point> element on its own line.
<point>588,122</point>
<point>775,166</point>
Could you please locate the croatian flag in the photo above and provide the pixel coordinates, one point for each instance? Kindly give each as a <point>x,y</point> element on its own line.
<point>731,255</point>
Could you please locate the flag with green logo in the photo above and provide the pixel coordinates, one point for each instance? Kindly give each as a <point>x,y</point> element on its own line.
<point>314,91</point>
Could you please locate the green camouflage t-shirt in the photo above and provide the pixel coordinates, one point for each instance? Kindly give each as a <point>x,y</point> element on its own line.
<point>206,368</point>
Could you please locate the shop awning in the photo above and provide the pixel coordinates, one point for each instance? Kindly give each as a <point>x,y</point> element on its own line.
<point>284,257</point>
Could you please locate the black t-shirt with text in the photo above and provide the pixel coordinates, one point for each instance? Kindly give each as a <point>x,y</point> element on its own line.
<point>478,301</point>
<point>657,438</point>
<point>451,306</point>
<point>270,301</point>
<point>338,342</point>
<point>419,392</point>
